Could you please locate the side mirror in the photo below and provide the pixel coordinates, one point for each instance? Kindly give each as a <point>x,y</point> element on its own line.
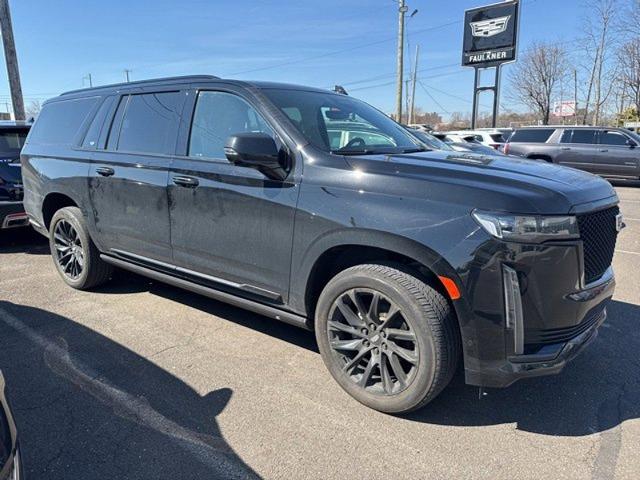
<point>631,143</point>
<point>256,150</point>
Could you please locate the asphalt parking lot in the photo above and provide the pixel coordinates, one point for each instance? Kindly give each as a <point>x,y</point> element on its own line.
<point>139,380</point>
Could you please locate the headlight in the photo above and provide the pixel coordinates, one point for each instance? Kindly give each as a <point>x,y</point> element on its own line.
<point>528,228</point>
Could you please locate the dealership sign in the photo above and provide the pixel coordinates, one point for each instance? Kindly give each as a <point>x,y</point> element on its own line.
<point>564,109</point>
<point>491,35</point>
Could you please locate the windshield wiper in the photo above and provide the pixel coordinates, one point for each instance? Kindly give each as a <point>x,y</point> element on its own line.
<point>416,150</point>
<point>354,152</point>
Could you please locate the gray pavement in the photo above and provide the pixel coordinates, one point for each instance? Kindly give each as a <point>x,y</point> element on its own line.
<point>140,380</point>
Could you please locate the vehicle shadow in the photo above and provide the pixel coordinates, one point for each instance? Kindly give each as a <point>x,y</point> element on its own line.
<point>126,282</point>
<point>596,392</point>
<point>87,407</point>
<point>23,240</point>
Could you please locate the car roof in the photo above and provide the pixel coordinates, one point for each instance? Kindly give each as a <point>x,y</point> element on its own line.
<point>159,82</point>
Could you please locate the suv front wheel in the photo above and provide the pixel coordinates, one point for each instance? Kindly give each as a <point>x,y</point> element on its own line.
<point>74,254</point>
<point>388,339</point>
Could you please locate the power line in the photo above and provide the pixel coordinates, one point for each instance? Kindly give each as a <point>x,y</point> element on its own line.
<point>387,75</point>
<point>433,98</point>
<point>446,74</point>
<point>337,52</point>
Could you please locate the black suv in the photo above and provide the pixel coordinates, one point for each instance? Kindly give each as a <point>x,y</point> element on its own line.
<point>610,152</point>
<point>12,137</point>
<point>314,208</point>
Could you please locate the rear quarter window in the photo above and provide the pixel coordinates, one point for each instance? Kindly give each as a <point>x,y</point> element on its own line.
<point>532,135</point>
<point>59,122</point>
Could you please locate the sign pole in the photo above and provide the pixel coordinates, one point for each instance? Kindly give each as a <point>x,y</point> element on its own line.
<point>496,98</point>
<point>490,40</point>
<point>476,92</point>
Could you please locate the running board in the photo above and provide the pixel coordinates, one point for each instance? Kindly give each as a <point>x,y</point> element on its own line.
<point>283,316</point>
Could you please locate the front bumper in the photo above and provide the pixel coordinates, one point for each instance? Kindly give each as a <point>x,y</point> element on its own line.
<point>559,314</point>
<point>548,362</point>
<point>12,215</point>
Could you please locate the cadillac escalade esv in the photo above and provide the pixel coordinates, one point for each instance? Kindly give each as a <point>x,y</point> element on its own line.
<point>316,209</point>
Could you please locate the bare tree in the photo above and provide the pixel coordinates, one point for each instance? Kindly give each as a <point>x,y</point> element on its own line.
<point>600,28</point>
<point>536,76</point>
<point>34,109</point>
<point>630,24</point>
<point>629,71</point>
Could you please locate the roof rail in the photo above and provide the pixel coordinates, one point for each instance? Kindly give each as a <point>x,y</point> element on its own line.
<point>151,81</point>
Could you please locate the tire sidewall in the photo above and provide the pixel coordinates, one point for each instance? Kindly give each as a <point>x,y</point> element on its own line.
<point>70,214</point>
<point>424,377</point>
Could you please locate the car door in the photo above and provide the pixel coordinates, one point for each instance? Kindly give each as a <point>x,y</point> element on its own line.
<point>617,154</point>
<point>129,174</point>
<point>231,226</point>
<point>578,148</point>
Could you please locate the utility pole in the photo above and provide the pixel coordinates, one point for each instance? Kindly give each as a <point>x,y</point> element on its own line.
<point>11,59</point>
<point>126,74</point>
<point>413,86</point>
<point>575,94</point>
<point>401,11</point>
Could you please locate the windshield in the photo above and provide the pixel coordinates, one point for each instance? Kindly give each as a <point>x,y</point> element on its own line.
<point>11,142</point>
<point>341,124</point>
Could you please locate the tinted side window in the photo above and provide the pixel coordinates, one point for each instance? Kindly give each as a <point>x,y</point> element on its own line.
<point>531,135</point>
<point>566,136</point>
<point>116,122</point>
<point>612,138</point>
<point>93,134</point>
<point>584,136</point>
<point>60,122</point>
<point>150,123</point>
<point>217,116</point>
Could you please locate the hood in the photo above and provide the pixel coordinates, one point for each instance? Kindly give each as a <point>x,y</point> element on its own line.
<point>490,181</point>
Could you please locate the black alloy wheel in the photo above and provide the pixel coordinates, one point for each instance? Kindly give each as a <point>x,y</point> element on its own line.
<point>371,338</point>
<point>69,250</point>
<point>389,339</point>
<point>75,256</point>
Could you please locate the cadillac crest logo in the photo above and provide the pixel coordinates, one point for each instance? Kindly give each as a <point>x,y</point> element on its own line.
<point>490,28</point>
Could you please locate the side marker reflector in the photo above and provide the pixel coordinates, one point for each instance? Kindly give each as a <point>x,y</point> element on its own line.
<point>451,287</point>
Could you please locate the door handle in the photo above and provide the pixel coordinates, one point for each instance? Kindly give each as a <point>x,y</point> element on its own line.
<point>604,150</point>
<point>187,182</point>
<point>105,171</point>
<point>566,148</point>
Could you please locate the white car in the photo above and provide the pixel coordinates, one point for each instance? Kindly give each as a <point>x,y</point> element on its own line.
<point>491,138</point>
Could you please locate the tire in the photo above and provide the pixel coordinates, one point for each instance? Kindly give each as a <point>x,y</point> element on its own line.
<point>424,331</point>
<point>74,254</point>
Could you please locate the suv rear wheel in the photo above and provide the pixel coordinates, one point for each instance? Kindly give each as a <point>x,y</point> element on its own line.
<point>74,254</point>
<point>388,339</point>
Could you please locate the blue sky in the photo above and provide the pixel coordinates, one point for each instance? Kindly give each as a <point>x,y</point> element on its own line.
<point>59,42</point>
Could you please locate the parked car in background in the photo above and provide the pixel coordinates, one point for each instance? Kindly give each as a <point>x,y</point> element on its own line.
<point>12,138</point>
<point>422,127</point>
<point>610,152</point>
<point>437,144</point>
<point>316,209</point>
<point>491,138</point>
<point>430,141</point>
<point>448,137</point>
<point>505,131</point>
<point>475,147</point>
<point>10,463</point>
